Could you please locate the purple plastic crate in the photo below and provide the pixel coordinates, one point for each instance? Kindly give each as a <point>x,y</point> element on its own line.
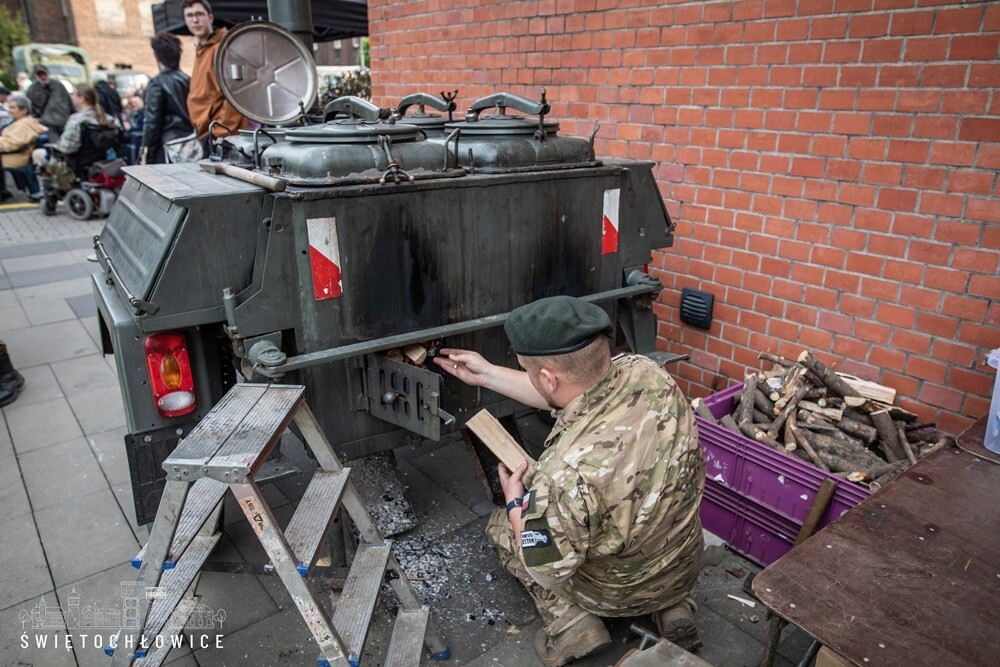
<point>771,490</point>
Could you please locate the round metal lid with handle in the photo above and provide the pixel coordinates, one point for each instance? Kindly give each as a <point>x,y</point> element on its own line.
<point>266,73</point>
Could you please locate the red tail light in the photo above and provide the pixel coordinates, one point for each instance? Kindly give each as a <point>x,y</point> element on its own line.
<point>170,374</point>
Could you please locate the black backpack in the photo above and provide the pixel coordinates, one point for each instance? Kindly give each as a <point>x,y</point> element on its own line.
<point>95,142</point>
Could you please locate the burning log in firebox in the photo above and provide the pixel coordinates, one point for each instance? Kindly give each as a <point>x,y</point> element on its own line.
<point>837,422</point>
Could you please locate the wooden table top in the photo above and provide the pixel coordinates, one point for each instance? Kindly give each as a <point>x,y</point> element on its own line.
<point>911,576</point>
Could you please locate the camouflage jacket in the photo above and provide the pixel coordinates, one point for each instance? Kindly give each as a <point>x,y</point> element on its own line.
<point>611,511</point>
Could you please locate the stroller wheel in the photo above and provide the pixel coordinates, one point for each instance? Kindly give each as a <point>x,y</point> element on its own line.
<point>79,204</point>
<point>48,205</point>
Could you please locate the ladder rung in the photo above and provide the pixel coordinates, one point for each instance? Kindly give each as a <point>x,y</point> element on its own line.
<point>175,583</point>
<point>173,627</point>
<point>356,603</point>
<point>407,640</point>
<point>312,518</point>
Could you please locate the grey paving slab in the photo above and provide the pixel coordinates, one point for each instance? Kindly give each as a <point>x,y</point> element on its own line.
<point>83,305</point>
<point>11,313</point>
<point>58,258</point>
<point>437,513</point>
<point>24,574</point>
<point>279,640</point>
<point>93,330</point>
<point>41,424</point>
<point>21,644</point>
<point>4,283</point>
<point>109,450</point>
<point>49,342</point>
<point>84,373</point>
<point>39,383</point>
<point>8,251</point>
<point>123,497</point>
<point>241,596</point>
<point>85,536</point>
<point>60,473</point>
<point>6,447</point>
<point>98,409</point>
<point>46,311</point>
<point>46,275</point>
<point>13,496</point>
<point>451,468</point>
<point>81,242</point>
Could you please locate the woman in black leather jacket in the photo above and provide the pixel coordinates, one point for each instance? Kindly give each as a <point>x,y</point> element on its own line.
<point>166,115</point>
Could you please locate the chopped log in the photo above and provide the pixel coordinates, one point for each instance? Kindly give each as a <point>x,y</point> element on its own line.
<point>744,411</point>
<point>814,422</point>
<point>789,409</point>
<point>789,391</point>
<point>899,413</point>
<point>792,426</point>
<point>815,393</point>
<point>857,476</point>
<point>763,403</point>
<point>416,353</point>
<point>838,442</point>
<point>835,402</point>
<point>919,426</point>
<point>762,419</point>
<point>943,442</point>
<point>730,423</point>
<point>819,504</point>
<point>753,432</point>
<point>492,434</point>
<point>826,375</point>
<point>833,414</point>
<point>881,469</point>
<point>888,437</point>
<point>857,429</point>
<point>700,409</point>
<point>777,359</point>
<point>858,416</point>
<point>840,463</point>
<point>907,449</point>
<point>790,443</point>
<point>879,482</point>
<point>855,401</point>
<point>872,390</point>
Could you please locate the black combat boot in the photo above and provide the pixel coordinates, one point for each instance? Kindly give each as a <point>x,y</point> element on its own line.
<point>11,381</point>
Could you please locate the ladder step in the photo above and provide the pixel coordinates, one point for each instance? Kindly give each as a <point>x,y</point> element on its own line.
<point>314,515</point>
<point>174,583</point>
<point>407,640</point>
<point>249,427</point>
<point>175,625</point>
<point>354,609</point>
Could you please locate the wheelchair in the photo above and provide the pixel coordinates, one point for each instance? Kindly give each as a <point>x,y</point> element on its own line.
<point>87,181</point>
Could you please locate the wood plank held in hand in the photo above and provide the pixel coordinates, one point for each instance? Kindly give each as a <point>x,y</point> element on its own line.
<point>501,443</point>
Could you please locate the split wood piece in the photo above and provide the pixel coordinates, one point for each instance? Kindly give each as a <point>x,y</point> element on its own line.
<point>907,449</point>
<point>744,411</point>
<point>501,443</point>
<point>872,390</point>
<point>806,446</point>
<point>842,446</point>
<point>790,444</point>
<point>899,413</point>
<point>858,416</point>
<point>833,414</point>
<point>416,353</point>
<point>730,423</point>
<point>700,409</point>
<point>826,375</point>
<point>888,437</point>
<point>789,409</point>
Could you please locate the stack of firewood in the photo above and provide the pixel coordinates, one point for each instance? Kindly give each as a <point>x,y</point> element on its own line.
<point>839,423</point>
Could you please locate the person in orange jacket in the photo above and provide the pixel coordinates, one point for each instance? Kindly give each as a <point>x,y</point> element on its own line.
<point>205,100</point>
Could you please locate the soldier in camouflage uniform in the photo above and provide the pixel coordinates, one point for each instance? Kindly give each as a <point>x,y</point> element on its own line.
<point>609,523</point>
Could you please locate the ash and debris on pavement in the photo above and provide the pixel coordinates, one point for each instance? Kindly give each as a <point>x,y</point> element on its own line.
<point>378,484</point>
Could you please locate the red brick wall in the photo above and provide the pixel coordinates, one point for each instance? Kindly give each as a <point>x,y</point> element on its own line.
<point>832,164</point>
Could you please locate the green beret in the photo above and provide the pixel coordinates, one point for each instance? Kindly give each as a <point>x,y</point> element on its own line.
<point>556,325</point>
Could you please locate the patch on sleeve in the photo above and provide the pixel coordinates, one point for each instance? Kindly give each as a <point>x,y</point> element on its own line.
<point>533,539</point>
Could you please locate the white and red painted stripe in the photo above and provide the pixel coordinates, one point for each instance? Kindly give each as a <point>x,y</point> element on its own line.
<point>609,231</point>
<point>324,256</point>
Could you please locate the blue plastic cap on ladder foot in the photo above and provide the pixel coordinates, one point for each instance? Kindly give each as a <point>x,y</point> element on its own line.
<point>137,562</point>
<point>109,651</point>
<point>442,655</point>
<point>303,569</point>
<point>354,662</point>
<point>141,653</point>
<point>322,662</point>
<point>169,564</point>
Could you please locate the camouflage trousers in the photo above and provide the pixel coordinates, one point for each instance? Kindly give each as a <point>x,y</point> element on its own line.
<point>560,610</point>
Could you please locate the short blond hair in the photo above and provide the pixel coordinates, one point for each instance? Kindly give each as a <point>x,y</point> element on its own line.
<point>584,366</point>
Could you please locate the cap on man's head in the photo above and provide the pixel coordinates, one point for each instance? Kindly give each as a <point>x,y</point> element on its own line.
<point>4,90</point>
<point>556,325</point>
<point>41,69</point>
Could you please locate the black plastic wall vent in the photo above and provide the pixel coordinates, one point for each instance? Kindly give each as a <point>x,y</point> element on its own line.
<point>696,308</point>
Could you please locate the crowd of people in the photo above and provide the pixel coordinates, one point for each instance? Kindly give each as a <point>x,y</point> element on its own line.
<point>168,121</point>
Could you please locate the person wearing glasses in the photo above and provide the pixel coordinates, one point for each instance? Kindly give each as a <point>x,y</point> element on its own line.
<point>205,100</point>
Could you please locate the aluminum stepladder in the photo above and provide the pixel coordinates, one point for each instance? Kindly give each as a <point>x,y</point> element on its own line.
<point>223,452</point>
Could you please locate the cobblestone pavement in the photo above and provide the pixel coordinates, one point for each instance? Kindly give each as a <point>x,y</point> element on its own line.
<point>68,522</point>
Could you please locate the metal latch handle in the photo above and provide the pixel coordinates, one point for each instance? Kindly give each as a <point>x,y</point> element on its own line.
<point>446,102</point>
<point>504,100</point>
<point>355,107</point>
